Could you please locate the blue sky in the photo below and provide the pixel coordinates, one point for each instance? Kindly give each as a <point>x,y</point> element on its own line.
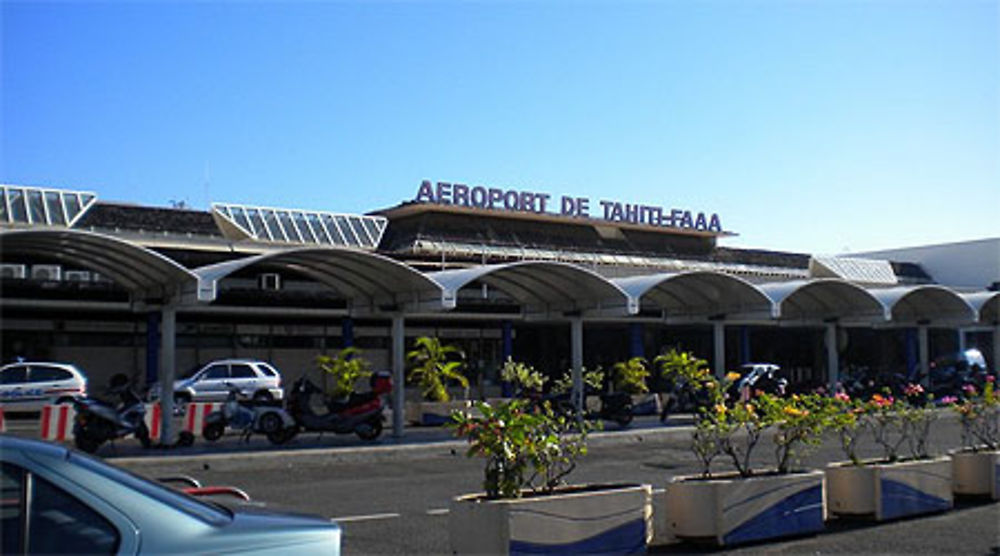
<point>806,126</point>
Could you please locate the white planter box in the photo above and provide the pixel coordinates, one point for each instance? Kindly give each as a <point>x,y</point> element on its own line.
<point>613,519</point>
<point>889,490</point>
<point>976,473</point>
<point>737,510</point>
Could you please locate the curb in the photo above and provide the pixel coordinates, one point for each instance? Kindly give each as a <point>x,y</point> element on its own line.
<point>379,453</point>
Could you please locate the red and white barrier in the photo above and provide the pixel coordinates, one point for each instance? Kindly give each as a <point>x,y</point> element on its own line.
<point>195,414</point>
<point>152,420</point>
<point>57,422</point>
<point>3,424</point>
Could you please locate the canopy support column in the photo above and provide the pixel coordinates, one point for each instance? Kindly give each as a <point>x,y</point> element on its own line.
<point>923,344</point>
<point>398,377</point>
<point>719,349</point>
<point>832,357</point>
<point>961,339</point>
<point>576,357</point>
<point>168,333</point>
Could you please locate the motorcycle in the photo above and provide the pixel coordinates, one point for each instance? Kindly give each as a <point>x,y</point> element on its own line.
<point>614,406</point>
<point>360,413</point>
<point>98,422</point>
<point>248,417</point>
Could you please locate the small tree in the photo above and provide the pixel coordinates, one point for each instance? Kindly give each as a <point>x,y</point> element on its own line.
<point>346,368</point>
<point>432,369</point>
<point>630,376</point>
<point>524,377</point>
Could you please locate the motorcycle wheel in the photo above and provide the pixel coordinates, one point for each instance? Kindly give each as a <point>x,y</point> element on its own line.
<point>270,423</point>
<point>87,443</point>
<point>282,436</point>
<point>213,431</point>
<point>370,430</point>
<point>142,434</point>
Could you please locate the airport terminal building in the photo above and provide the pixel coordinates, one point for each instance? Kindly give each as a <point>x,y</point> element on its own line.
<point>559,282</point>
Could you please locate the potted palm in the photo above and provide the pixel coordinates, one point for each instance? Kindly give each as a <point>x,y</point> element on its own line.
<point>432,366</point>
<point>976,466</point>
<point>746,504</point>
<point>525,507</point>
<point>346,368</point>
<point>906,480</point>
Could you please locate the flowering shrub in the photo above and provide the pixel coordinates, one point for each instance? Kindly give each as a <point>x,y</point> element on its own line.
<point>979,413</point>
<point>801,420</point>
<point>896,422</point>
<point>919,416</point>
<point>526,446</point>
<point>848,417</point>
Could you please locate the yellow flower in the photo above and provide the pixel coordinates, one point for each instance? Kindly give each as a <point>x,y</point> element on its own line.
<point>793,411</point>
<point>720,409</point>
<point>732,377</point>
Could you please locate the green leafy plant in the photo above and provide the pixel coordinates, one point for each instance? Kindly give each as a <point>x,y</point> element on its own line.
<point>630,376</point>
<point>526,446</point>
<point>523,377</point>
<point>346,368</point>
<point>800,420</point>
<point>979,413</point>
<point>593,379</point>
<point>433,365</point>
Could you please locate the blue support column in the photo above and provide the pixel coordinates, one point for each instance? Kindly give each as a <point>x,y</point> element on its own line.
<point>636,344</point>
<point>506,351</point>
<point>152,347</point>
<point>347,332</point>
<point>745,356</point>
<point>911,352</point>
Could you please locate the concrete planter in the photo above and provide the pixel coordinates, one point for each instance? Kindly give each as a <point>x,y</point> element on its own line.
<point>433,413</point>
<point>976,473</point>
<point>736,510</point>
<point>645,404</point>
<point>889,490</point>
<point>606,519</point>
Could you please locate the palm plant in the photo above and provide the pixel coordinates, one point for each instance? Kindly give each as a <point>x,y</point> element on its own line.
<point>346,368</point>
<point>432,367</point>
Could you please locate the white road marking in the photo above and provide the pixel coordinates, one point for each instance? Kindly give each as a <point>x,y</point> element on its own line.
<point>439,511</point>
<point>369,517</point>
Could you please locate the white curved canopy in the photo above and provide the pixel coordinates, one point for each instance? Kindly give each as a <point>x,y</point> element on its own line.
<point>926,304</point>
<point>698,295</point>
<point>824,300</point>
<point>987,306</point>
<point>368,281</point>
<point>545,288</point>
<point>144,273</point>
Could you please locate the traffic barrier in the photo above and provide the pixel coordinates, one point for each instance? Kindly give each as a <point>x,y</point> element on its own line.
<point>3,424</point>
<point>195,414</point>
<point>152,419</point>
<point>57,422</point>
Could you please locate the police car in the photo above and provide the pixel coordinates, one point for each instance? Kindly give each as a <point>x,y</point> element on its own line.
<point>27,386</point>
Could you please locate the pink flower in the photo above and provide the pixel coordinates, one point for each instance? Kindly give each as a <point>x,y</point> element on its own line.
<point>842,396</point>
<point>949,399</point>
<point>990,378</point>
<point>913,389</point>
<point>969,389</point>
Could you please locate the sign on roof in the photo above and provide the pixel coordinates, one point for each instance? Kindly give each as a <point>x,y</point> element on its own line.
<point>478,196</point>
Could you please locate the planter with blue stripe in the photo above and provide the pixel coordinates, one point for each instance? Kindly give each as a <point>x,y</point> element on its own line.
<point>606,519</point>
<point>976,473</point>
<point>889,490</point>
<point>739,510</point>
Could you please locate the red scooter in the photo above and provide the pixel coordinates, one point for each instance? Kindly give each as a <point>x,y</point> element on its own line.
<point>361,413</point>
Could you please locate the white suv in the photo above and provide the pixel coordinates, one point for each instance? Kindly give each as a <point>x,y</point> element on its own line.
<point>211,383</point>
<point>28,386</point>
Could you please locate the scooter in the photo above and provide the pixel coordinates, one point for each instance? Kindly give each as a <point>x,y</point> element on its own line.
<point>361,413</point>
<point>98,422</point>
<point>248,417</point>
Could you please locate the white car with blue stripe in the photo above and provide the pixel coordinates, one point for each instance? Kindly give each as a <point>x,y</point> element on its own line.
<point>28,386</point>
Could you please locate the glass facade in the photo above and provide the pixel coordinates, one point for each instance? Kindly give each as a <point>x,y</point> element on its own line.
<point>43,207</point>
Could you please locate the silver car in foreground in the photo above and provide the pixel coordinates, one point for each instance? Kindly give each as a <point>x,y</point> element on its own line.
<point>56,500</point>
